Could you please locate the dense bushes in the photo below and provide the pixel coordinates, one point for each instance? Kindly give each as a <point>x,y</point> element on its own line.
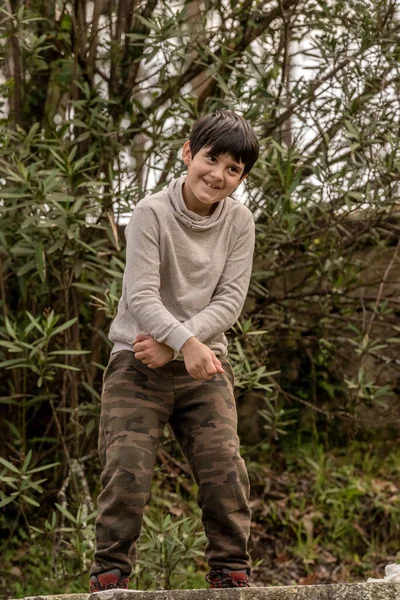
<point>96,105</point>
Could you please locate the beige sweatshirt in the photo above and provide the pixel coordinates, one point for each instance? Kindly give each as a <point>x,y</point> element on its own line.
<point>186,275</point>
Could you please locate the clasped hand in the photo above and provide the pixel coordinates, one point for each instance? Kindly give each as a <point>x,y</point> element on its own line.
<point>151,353</point>
<point>200,361</point>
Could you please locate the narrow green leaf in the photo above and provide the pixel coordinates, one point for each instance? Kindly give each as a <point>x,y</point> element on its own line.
<point>70,352</point>
<point>9,465</point>
<point>37,469</point>
<point>30,500</point>
<point>77,205</point>
<point>12,362</point>
<point>41,261</point>
<point>27,460</point>
<point>91,390</point>
<point>63,327</point>
<point>8,500</point>
<point>29,266</point>
<point>66,513</point>
<point>10,346</point>
<point>34,322</point>
<point>10,328</point>
<point>10,481</point>
<point>68,367</point>
<point>16,195</point>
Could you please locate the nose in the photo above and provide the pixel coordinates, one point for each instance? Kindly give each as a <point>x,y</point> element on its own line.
<point>218,173</point>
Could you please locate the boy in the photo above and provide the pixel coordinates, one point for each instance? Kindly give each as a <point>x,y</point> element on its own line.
<point>188,264</point>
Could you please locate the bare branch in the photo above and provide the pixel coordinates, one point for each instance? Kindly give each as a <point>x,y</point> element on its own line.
<point>15,62</point>
<point>98,8</point>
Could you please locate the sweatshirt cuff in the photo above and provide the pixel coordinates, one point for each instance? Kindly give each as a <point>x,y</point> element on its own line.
<point>178,337</point>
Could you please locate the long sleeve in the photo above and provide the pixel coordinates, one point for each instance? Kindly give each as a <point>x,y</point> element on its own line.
<point>185,275</point>
<point>230,294</point>
<point>142,280</point>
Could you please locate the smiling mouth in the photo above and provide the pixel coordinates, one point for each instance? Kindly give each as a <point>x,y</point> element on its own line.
<point>213,187</point>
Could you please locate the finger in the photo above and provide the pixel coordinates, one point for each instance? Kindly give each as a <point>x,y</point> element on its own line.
<point>206,375</point>
<point>200,375</point>
<point>141,337</point>
<point>196,375</point>
<point>141,347</point>
<point>210,368</point>
<point>138,347</point>
<point>218,364</point>
<point>141,355</point>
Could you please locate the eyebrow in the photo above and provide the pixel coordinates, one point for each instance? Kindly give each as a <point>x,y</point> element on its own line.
<point>239,167</point>
<point>233,162</point>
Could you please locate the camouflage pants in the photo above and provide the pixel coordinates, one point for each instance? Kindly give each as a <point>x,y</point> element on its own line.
<point>137,403</point>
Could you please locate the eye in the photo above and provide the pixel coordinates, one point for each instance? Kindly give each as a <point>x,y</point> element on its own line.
<point>212,158</point>
<point>234,169</point>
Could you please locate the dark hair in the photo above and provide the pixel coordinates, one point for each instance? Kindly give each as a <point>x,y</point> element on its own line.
<point>225,132</point>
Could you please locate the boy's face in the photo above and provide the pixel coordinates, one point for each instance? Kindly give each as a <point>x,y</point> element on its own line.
<point>209,178</point>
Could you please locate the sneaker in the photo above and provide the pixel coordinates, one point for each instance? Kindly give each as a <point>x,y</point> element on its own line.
<point>110,580</point>
<point>227,579</point>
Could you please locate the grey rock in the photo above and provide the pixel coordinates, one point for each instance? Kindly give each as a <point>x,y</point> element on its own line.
<point>351,591</point>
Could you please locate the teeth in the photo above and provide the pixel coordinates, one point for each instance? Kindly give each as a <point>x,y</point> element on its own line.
<point>212,186</point>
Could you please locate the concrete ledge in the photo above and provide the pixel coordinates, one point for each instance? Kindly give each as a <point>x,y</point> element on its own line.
<point>348,591</point>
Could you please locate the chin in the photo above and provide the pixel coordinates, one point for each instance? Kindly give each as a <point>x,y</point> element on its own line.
<point>208,201</point>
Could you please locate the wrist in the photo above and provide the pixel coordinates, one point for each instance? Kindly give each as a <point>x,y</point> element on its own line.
<point>189,344</point>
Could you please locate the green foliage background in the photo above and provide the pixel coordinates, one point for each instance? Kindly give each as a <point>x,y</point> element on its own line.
<point>97,99</point>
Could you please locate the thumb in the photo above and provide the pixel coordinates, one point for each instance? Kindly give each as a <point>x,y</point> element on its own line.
<point>217,364</point>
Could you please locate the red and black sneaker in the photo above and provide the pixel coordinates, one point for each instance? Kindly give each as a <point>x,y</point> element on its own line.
<point>110,580</point>
<point>219,578</point>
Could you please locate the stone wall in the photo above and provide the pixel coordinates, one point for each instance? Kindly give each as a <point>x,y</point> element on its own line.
<point>356,591</point>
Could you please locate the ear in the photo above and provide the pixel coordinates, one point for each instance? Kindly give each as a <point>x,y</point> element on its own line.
<point>243,178</point>
<point>187,153</point>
